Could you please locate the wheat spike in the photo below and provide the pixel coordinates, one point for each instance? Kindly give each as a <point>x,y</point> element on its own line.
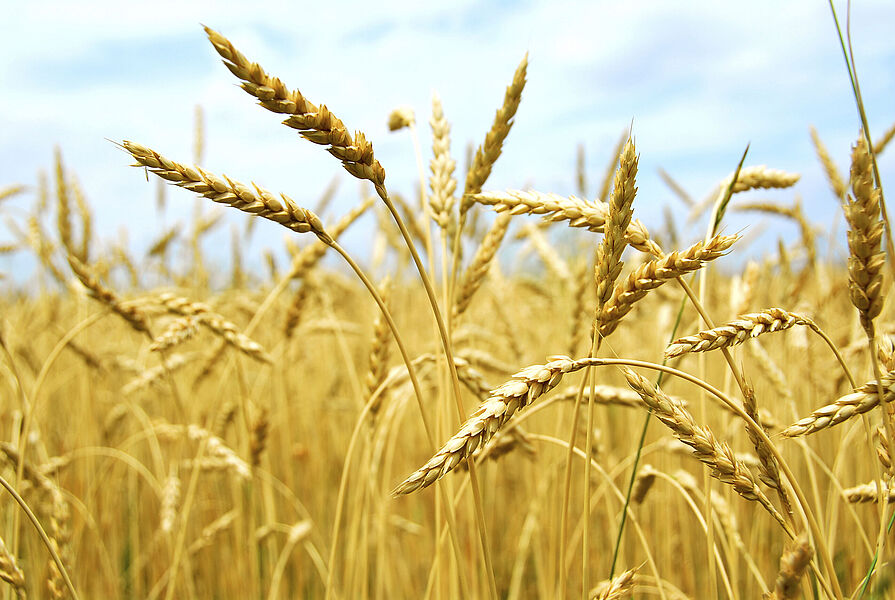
<point>866,259</point>
<point>442,181</point>
<point>525,387</point>
<point>575,211</point>
<point>253,200</point>
<point>652,274</point>
<point>488,153</point>
<point>830,169</point>
<point>608,264</point>
<point>862,400</point>
<point>793,565</point>
<point>315,123</point>
<point>717,456</point>
<point>475,273</point>
<point>738,331</point>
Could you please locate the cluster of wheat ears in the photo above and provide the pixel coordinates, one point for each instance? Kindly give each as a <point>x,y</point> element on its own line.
<point>261,442</point>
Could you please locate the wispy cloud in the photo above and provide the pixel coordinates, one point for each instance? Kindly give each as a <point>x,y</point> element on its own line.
<point>699,80</point>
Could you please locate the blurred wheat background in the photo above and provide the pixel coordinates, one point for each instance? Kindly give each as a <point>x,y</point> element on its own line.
<point>603,316</point>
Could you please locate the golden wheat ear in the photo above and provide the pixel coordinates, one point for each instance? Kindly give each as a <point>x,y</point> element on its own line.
<point>315,123</point>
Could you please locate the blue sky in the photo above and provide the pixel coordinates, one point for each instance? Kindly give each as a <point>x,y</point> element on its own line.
<point>700,80</point>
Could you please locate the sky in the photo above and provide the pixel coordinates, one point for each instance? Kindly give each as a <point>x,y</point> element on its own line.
<point>696,81</point>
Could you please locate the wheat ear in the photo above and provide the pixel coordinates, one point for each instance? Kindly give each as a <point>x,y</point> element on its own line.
<point>716,455</point>
<point>134,316</point>
<point>475,273</point>
<point>575,211</point>
<point>608,264</point>
<point>609,174</point>
<point>253,200</point>
<point>793,565</point>
<point>738,331</point>
<point>10,572</point>
<point>884,140</point>
<point>12,190</point>
<point>488,153</point>
<point>866,259</point>
<point>869,492</point>
<point>620,587</point>
<point>862,400</point>
<point>316,124</point>
<point>652,274</point>
<point>215,322</point>
<point>837,184</point>
<point>522,389</point>
<point>442,181</point>
<point>179,331</point>
<point>379,350</point>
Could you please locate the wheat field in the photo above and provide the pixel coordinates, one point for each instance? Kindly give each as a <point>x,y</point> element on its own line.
<point>622,413</point>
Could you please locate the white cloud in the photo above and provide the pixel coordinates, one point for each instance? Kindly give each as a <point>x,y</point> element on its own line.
<point>699,79</point>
